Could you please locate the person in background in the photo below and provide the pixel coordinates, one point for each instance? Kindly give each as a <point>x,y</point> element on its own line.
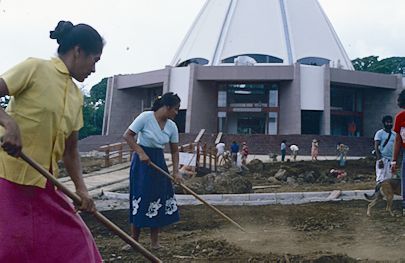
<point>38,224</point>
<point>314,150</point>
<point>351,128</point>
<point>152,200</point>
<point>283,148</point>
<point>220,151</point>
<point>399,129</point>
<point>342,151</point>
<point>245,153</point>
<point>383,145</point>
<point>294,151</point>
<point>234,151</point>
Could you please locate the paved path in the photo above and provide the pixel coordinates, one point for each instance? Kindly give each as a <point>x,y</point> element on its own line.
<point>108,179</point>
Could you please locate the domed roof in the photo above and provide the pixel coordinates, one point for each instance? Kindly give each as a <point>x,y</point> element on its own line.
<point>262,32</point>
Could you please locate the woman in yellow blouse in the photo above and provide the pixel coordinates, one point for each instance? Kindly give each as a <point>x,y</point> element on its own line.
<point>43,117</point>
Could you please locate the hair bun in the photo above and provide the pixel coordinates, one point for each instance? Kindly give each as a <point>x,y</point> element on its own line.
<point>61,30</point>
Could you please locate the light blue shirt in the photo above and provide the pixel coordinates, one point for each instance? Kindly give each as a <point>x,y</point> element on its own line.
<point>149,133</point>
<point>283,146</point>
<point>382,136</point>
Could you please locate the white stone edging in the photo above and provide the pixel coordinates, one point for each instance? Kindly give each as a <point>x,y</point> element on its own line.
<point>258,198</point>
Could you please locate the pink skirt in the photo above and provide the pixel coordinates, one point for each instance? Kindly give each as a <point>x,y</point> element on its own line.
<point>40,225</point>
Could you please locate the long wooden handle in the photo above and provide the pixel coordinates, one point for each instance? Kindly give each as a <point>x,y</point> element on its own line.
<point>198,197</point>
<point>100,217</point>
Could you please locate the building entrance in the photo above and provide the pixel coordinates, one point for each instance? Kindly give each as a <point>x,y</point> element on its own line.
<point>251,125</point>
<point>248,108</point>
<point>311,122</point>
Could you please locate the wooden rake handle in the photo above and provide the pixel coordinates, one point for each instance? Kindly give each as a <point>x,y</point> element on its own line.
<point>216,210</point>
<point>100,217</point>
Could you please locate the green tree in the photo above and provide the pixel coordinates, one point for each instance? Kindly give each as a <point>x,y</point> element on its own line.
<point>364,64</point>
<point>93,110</point>
<point>97,92</point>
<point>392,65</point>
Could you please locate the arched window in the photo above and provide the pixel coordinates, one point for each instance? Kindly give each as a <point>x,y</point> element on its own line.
<point>198,61</point>
<point>259,58</point>
<point>313,61</point>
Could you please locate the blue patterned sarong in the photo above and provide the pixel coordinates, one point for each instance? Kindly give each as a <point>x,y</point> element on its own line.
<point>152,201</point>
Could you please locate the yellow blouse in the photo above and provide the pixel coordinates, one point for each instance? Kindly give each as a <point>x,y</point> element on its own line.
<point>47,106</point>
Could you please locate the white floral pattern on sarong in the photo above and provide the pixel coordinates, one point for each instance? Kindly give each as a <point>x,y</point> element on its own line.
<point>153,208</point>
<point>135,205</point>
<point>171,206</point>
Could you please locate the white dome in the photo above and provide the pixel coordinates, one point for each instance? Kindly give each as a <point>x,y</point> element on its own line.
<point>269,31</point>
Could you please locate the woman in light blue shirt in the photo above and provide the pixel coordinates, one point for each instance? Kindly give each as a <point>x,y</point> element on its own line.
<point>152,201</point>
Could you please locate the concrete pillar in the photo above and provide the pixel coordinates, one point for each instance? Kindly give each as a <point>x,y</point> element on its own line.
<point>166,82</point>
<point>107,105</point>
<point>290,105</point>
<point>126,105</point>
<point>202,104</point>
<point>325,121</point>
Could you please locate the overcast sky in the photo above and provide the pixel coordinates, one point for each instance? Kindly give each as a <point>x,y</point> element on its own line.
<point>143,35</point>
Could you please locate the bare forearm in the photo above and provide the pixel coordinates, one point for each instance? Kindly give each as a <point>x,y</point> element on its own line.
<point>377,149</point>
<point>5,119</point>
<point>11,140</point>
<point>175,161</point>
<point>73,167</point>
<point>133,145</point>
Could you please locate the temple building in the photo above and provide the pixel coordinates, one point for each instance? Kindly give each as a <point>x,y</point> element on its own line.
<point>260,67</point>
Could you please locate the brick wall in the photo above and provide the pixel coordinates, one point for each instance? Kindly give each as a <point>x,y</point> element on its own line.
<point>258,144</point>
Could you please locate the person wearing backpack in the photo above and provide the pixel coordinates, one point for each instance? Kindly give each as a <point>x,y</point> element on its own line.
<point>383,145</point>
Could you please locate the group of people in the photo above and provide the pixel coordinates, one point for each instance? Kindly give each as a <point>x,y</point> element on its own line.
<point>238,154</point>
<point>294,150</point>
<point>43,118</point>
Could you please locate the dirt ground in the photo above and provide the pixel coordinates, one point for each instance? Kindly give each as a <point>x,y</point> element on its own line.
<point>317,232</point>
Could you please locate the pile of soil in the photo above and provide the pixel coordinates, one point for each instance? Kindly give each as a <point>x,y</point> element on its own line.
<point>285,177</point>
<point>229,181</point>
<point>321,232</point>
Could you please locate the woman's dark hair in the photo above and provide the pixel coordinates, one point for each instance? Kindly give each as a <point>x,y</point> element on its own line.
<point>401,99</point>
<point>68,36</point>
<point>168,99</point>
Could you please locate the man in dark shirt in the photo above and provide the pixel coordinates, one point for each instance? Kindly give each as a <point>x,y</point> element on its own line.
<point>234,151</point>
